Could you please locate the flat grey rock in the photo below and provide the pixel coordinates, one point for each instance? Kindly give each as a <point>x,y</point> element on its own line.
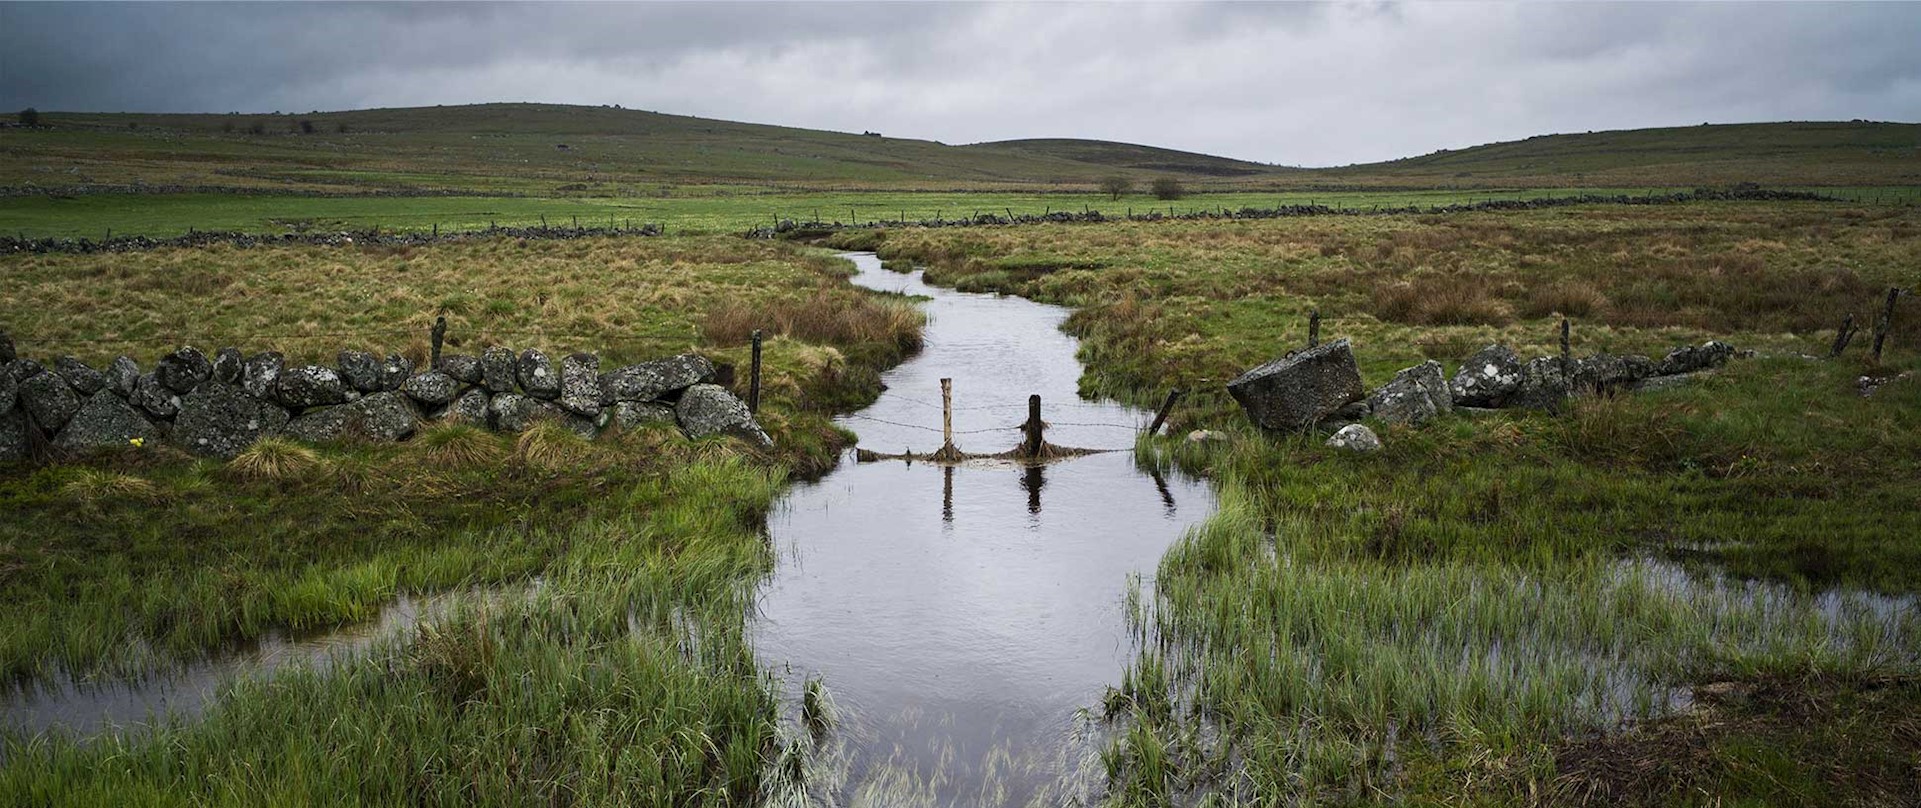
<point>1297,391</point>
<point>537,375</point>
<point>651,381</point>
<point>49,399</point>
<point>260,375</point>
<point>464,368</point>
<point>219,419</point>
<point>227,365</point>
<point>1413,396</point>
<point>310,386</point>
<point>580,384</point>
<point>1355,438</point>
<point>708,409</point>
<point>79,375</point>
<point>184,369</point>
<point>633,414</point>
<point>433,388</point>
<point>360,370</point>
<point>106,421</point>
<point>498,369</point>
<point>1487,378</point>
<point>157,399</point>
<point>122,375</point>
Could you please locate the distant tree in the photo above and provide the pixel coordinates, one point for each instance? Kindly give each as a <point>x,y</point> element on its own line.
<point>258,127</point>
<point>1115,186</point>
<point>306,127</point>
<point>29,117</point>
<point>1168,188</point>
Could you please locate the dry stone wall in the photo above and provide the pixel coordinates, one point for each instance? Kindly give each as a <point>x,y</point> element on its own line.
<point>217,406</point>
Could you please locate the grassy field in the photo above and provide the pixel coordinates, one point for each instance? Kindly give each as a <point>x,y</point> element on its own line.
<point>1482,612</point>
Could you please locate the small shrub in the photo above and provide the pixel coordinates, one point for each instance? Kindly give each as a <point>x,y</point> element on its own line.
<point>1567,297</point>
<point>1168,188</point>
<point>29,117</point>
<point>1115,186</point>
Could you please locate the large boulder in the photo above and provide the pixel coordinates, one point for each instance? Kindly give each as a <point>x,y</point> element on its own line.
<point>1355,438</point>
<point>464,368</point>
<point>227,365</point>
<point>1413,395</point>
<point>122,375</point>
<point>433,388</point>
<point>1691,358</point>
<point>580,384</point>
<point>157,399</point>
<point>360,369</point>
<point>394,371</point>
<point>634,414</point>
<point>184,369</point>
<point>1297,391</point>
<point>219,419</point>
<point>650,381</point>
<point>382,416</point>
<point>49,399</point>
<point>260,375</point>
<point>1545,383</point>
<point>537,375</point>
<point>106,420</point>
<point>79,375</point>
<point>1487,378</point>
<point>511,412</point>
<point>498,369</point>
<point>471,406</point>
<point>13,436</point>
<point>708,409</point>
<point>310,386</point>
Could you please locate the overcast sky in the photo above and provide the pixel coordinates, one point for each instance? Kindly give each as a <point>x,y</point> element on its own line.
<point>1294,84</point>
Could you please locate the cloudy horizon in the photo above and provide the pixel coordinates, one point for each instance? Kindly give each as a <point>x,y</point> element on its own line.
<point>1290,84</point>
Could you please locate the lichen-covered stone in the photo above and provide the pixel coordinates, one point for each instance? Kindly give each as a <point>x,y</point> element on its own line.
<point>580,384</point>
<point>157,399</point>
<point>1690,358</point>
<point>511,412</point>
<point>578,424</point>
<point>79,375</point>
<point>381,416</point>
<point>497,369</point>
<point>360,370</point>
<point>395,370</point>
<point>651,381</point>
<point>260,375</point>
<point>1545,383</point>
<point>24,369</point>
<point>13,436</point>
<point>310,386</point>
<point>1297,391</point>
<point>1355,438</point>
<point>471,406</point>
<point>219,419</point>
<point>49,399</point>
<point>9,392</point>
<point>537,375</point>
<point>227,365</point>
<point>1414,395</point>
<point>122,375</point>
<point>433,388</point>
<point>106,421</point>
<point>1487,378</point>
<point>634,414</point>
<point>183,369</point>
<point>1603,372</point>
<point>708,409</point>
<point>464,368</point>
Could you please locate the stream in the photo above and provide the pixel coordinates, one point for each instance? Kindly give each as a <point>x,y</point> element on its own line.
<point>966,620</point>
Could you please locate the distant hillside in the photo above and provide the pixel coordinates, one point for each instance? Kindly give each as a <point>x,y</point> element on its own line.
<point>555,150</point>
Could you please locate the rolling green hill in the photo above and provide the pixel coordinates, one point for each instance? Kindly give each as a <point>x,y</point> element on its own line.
<point>547,150</point>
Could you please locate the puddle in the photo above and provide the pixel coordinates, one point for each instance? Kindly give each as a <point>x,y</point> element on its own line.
<point>963,618</point>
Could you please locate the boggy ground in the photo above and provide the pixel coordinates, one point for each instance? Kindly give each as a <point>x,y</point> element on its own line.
<point>1516,608</point>
<point>622,677</point>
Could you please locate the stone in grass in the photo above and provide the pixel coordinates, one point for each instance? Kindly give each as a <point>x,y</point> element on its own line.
<point>394,371</point>
<point>183,369</point>
<point>464,368</point>
<point>260,374</point>
<point>13,436</point>
<point>580,384</point>
<point>708,409</point>
<point>433,388</point>
<point>383,416</point>
<point>1487,378</point>
<point>227,365</point>
<point>497,369</point>
<point>219,419</point>
<point>1544,384</point>
<point>1299,390</point>
<point>311,386</point>
<point>49,399</point>
<point>537,375</point>
<point>650,381</point>
<point>1414,395</point>
<point>1689,358</point>
<point>122,375</point>
<point>106,421</point>
<point>150,395</point>
<point>79,375</point>
<point>511,412</point>
<point>581,425</point>
<point>360,369</point>
<point>1604,372</point>
<point>635,414</point>
<point>470,407</point>
<point>1355,438</point>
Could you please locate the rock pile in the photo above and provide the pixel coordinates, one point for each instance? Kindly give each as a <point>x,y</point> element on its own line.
<point>217,406</point>
<point>1320,388</point>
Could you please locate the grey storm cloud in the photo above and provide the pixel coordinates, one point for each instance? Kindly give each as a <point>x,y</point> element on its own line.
<point>1299,84</point>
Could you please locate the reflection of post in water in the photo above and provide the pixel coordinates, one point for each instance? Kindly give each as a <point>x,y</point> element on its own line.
<point>947,494</point>
<point>1160,482</point>
<point>1032,481</point>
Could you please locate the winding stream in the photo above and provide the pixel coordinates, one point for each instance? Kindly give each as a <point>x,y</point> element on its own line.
<point>967,620</point>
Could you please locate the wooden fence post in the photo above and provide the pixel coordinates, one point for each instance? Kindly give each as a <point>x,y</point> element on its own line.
<point>439,335</point>
<point>1033,441</point>
<point>1167,406</point>
<point>1314,328</point>
<point>753,381</point>
<point>1886,323</point>
<point>947,412</point>
<point>1567,348</point>
<point>1843,336</point>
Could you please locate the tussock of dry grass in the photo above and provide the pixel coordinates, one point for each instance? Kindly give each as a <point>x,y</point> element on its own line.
<point>458,445</point>
<point>274,459</point>
<point>833,314</point>
<point>97,485</point>
<point>549,445</point>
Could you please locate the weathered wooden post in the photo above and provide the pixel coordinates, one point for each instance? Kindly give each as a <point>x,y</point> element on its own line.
<point>1314,328</point>
<point>1167,406</point>
<point>1033,441</point>
<point>753,381</point>
<point>947,412</point>
<point>436,230</point>
<point>1843,336</point>
<point>1567,348</point>
<point>439,335</point>
<point>1886,323</point>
